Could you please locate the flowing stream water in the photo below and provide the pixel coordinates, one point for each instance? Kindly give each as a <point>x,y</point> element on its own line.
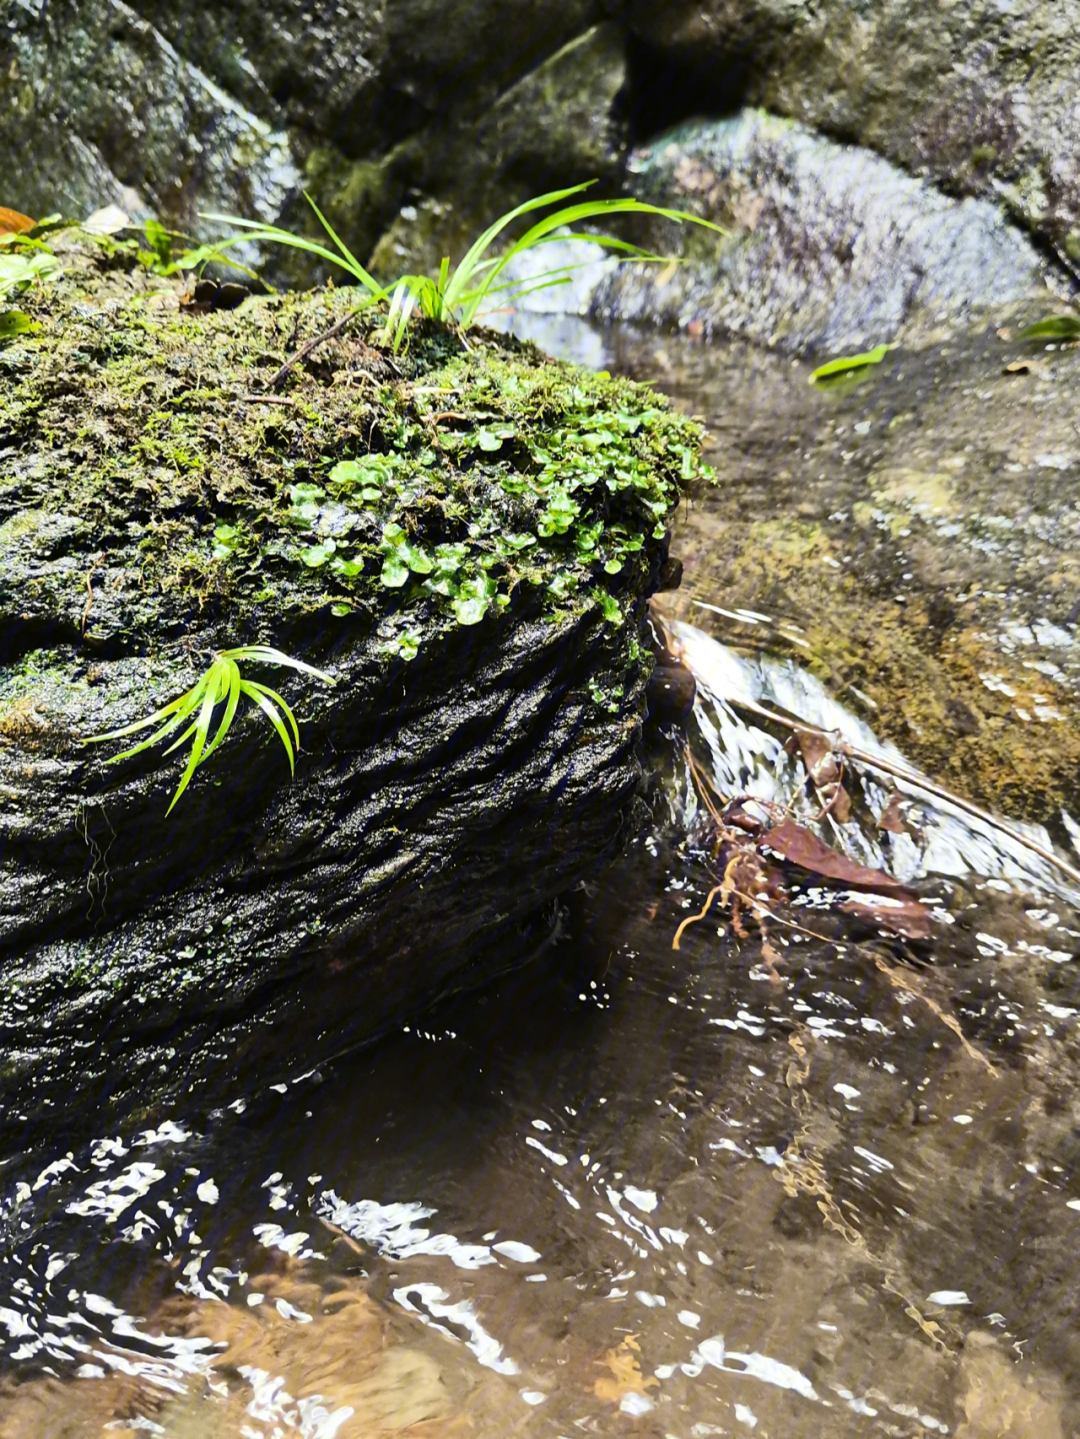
<point>629,1189</point>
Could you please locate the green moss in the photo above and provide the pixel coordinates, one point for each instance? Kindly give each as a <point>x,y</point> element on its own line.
<point>434,496</point>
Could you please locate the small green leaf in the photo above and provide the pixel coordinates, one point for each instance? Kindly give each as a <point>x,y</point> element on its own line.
<point>14,322</point>
<point>395,572</point>
<point>562,511</point>
<point>470,612</point>
<point>417,559</point>
<point>519,542</point>
<point>341,610</point>
<point>1054,327</point>
<point>346,472</point>
<point>316,555</point>
<point>612,567</point>
<point>609,605</point>
<point>473,599</point>
<point>348,569</point>
<point>851,362</point>
<point>405,646</point>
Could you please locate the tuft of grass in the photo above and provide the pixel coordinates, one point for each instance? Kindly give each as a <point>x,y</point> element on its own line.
<point>222,683</point>
<point>458,294</point>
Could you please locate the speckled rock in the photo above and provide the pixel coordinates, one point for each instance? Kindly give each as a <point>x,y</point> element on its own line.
<point>829,246</point>
<point>979,95</point>
<point>96,108</point>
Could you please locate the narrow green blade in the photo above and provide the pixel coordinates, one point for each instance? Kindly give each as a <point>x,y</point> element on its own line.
<point>845,363</point>
<point>351,262</point>
<point>260,695</point>
<point>268,655</point>
<point>273,695</point>
<point>161,714</point>
<point>467,266</point>
<point>232,676</point>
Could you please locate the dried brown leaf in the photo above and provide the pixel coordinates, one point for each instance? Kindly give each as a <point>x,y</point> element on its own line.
<point>801,846</point>
<point>13,222</point>
<point>891,818</point>
<point>817,753</point>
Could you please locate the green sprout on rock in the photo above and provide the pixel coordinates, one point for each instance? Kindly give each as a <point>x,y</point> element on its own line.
<point>461,293</point>
<point>222,683</point>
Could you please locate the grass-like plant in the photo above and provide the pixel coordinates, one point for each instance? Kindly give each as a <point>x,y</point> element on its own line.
<point>458,295</point>
<point>222,683</point>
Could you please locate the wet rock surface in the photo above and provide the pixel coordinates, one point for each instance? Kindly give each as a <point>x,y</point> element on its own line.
<point>829,247</point>
<point>412,121</point>
<point>98,108</point>
<point>909,533</point>
<point>154,512</point>
<point>979,96</point>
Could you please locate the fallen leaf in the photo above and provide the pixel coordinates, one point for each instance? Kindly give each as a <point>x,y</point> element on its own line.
<point>627,1377</point>
<point>817,753</point>
<point>109,220</point>
<point>12,222</point>
<point>1054,327</point>
<point>847,363</point>
<point>891,818</point>
<point>839,802</point>
<point>800,846</point>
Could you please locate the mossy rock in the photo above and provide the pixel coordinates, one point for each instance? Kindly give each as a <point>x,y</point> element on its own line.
<point>463,535</point>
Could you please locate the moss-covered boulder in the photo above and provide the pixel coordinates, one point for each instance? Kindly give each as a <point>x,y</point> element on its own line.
<point>463,536</point>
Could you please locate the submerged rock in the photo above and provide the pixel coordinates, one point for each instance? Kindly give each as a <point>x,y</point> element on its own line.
<point>464,538</point>
<point>828,246</point>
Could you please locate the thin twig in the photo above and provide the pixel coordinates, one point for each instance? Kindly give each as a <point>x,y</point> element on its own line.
<point>703,784</point>
<point>693,918</point>
<point>268,400</point>
<point>335,329</point>
<point>90,592</point>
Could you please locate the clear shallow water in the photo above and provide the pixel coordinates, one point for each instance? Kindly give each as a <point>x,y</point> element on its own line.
<point>627,1190</point>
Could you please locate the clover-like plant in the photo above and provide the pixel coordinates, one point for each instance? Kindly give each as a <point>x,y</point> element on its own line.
<point>222,683</point>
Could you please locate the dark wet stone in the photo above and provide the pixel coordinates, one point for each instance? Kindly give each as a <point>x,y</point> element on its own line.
<point>671,693</point>
<point>828,247</point>
<point>979,97</point>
